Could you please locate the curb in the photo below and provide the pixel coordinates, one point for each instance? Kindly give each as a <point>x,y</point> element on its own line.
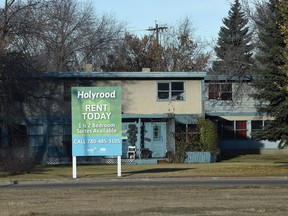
<point>6,183</point>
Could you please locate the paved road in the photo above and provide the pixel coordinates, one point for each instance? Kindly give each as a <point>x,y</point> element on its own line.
<point>122,182</point>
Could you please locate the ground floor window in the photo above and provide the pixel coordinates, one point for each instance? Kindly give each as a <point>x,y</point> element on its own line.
<point>228,130</point>
<point>59,140</point>
<point>36,135</point>
<point>189,132</point>
<point>17,135</point>
<point>239,130</point>
<point>257,125</point>
<point>13,136</point>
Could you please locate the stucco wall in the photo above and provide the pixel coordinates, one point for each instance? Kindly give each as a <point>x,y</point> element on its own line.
<point>140,97</point>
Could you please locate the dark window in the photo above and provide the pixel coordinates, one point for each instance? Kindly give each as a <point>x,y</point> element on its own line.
<point>230,130</point>
<point>214,91</point>
<point>170,91</point>
<point>226,91</point>
<point>220,91</point>
<point>59,140</point>
<point>226,129</point>
<point>190,132</point>
<point>18,135</point>
<point>257,125</point>
<point>177,92</point>
<point>163,91</point>
<point>156,133</point>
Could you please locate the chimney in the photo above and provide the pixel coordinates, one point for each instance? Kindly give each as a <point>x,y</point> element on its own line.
<point>146,70</point>
<point>88,67</point>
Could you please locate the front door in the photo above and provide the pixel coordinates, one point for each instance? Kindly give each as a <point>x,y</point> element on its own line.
<point>155,138</point>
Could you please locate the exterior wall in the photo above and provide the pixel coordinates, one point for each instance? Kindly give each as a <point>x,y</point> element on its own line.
<point>140,97</point>
<point>242,102</point>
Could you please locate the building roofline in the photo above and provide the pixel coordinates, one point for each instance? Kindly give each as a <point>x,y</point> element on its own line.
<point>229,78</point>
<point>128,75</point>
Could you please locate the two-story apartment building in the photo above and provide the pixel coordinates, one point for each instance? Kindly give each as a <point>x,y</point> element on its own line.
<point>158,104</point>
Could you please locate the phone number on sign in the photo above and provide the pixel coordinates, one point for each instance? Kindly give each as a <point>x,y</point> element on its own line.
<point>97,141</point>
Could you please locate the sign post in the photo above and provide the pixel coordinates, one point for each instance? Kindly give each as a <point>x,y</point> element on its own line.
<point>74,164</point>
<point>96,123</point>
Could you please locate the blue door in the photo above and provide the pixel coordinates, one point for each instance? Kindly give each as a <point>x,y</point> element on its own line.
<point>155,138</point>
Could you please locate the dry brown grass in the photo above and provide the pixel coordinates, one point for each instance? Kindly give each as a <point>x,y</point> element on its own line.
<point>249,165</point>
<point>156,201</point>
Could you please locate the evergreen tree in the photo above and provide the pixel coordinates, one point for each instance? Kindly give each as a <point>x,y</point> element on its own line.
<point>272,76</point>
<point>282,6</point>
<point>234,47</point>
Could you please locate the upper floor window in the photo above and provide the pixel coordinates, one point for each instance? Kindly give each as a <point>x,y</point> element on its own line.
<point>171,91</point>
<point>220,91</point>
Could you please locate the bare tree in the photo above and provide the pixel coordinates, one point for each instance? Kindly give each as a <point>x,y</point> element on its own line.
<point>182,51</point>
<point>74,35</point>
<point>17,71</point>
<point>16,22</point>
<point>173,50</point>
<point>61,35</point>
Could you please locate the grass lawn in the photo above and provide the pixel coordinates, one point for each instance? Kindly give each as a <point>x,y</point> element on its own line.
<point>152,200</point>
<point>247,165</point>
<point>148,201</point>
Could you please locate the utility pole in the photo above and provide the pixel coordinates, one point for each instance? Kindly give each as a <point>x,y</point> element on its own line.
<point>157,29</point>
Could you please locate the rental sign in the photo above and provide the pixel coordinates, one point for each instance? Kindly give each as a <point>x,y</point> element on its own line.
<point>96,121</point>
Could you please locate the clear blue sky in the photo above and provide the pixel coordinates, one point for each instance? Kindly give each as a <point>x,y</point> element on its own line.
<point>206,15</point>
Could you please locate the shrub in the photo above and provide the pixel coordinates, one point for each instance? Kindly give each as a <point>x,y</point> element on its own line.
<point>208,135</point>
<point>17,159</point>
<point>132,134</point>
<point>205,139</point>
